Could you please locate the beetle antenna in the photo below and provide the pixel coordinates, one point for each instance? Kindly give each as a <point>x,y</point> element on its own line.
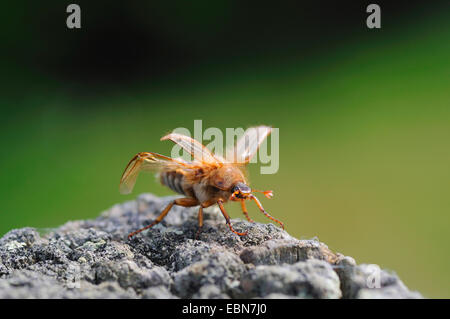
<point>268,194</point>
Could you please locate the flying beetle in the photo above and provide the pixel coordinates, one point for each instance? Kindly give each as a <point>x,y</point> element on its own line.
<point>207,180</point>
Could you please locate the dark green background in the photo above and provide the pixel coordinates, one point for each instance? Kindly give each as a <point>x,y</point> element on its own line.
<point>363,114</point>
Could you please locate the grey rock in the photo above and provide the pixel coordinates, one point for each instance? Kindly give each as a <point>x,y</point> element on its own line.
<point>288,250</point>
<point>221,269</point>
<point>305,279</point>
<point>157,292</point>
<point>95,259</point>
<point>370,282</point>
<point>210,292</point>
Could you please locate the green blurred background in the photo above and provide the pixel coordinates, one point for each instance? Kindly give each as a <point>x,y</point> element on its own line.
<point>363,114</point>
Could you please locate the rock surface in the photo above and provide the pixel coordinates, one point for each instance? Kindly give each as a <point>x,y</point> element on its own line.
<point>94,259</point>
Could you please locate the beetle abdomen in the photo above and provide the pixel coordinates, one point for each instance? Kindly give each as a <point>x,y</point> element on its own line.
<point>174,181</point>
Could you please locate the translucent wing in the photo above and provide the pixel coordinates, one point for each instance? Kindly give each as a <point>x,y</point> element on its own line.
<point>248,144</point>
<point>195,148</point>
<point>145,161</point>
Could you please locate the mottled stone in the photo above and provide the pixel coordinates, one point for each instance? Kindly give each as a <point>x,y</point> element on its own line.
<point>307,279</point>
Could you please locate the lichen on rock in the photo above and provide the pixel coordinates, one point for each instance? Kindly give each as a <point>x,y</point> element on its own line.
<point>95,259</point>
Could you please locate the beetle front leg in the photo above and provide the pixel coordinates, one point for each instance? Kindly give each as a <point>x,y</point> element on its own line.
<point>227,218</point>
<point>261,208</point>
<point>244,210</point>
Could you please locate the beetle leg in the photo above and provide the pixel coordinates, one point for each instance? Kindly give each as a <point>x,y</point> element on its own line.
<point>185,202</point>
<point>244,210</point>
<point>227,218</point>
<point>200,222</point>
<point>261,208</point>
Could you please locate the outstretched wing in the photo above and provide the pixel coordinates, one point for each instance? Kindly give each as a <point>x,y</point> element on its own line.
<point>195,148</point>
<point>248,144</point>
<point>145,161</point>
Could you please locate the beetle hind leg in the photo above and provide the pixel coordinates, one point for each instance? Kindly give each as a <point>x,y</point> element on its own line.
<point>185,202</point>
